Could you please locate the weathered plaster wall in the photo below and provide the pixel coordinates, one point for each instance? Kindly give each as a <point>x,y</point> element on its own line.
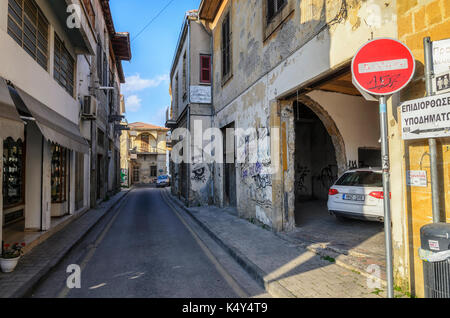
<point>299,51</point>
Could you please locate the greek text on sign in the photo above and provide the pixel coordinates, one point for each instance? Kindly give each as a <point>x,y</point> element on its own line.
<point>417,179</point>
<point>426,118</point>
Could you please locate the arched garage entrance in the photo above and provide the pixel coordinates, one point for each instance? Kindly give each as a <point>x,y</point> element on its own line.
<point>319,154</point>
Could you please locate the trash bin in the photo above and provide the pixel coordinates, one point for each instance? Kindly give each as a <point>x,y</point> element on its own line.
<point>435,253</point>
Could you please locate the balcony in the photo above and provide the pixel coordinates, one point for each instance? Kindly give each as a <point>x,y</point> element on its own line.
<point>147,151</point>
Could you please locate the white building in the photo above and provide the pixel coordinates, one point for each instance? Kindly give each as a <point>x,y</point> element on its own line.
<point>46,74</point>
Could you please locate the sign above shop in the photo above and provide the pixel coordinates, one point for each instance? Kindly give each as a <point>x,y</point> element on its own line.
<point>427,117</point>
<point>383,67</point>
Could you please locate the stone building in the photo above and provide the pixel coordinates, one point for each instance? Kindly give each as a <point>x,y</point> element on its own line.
<point>282,69</point>
<point>52,97</point>
<point>412,206</point>
<point>145,150</point>
<point>191,105</point>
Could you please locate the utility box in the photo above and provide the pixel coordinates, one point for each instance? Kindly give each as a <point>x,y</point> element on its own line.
<point>435,253</point>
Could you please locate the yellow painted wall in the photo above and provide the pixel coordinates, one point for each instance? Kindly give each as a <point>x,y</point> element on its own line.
<point>418,19</point>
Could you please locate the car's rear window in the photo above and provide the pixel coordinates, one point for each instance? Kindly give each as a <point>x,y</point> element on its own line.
<point>361,179</point>
<point>163,177</point>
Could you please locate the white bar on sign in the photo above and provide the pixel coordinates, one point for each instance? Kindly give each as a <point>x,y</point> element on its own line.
<point>383,66</point>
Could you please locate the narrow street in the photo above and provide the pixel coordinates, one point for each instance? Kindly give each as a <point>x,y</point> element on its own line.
<point>145,250</point>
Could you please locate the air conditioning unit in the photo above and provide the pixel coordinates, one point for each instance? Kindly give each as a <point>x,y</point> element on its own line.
<point>89,109</point>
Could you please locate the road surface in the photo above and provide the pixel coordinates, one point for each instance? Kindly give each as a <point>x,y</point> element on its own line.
<point>148,249</point>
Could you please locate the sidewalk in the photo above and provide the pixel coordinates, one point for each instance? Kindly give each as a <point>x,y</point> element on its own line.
<point>41,259</point>
<point>284,268</point>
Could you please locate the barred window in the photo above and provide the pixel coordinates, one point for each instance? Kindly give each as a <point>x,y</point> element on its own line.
<point>28,26</point>
<point>274,7</point>
<point>63,71</point>
<point>226,48</point>
<point>90,11</point>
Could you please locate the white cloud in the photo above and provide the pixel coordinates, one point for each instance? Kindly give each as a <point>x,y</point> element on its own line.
<point>133,103</point>
<point>135,83</point>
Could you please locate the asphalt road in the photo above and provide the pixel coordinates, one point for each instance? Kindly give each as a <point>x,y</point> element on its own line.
<point>146,249</point>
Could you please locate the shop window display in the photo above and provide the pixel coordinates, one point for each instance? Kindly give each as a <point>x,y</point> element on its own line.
<point>59,172</point>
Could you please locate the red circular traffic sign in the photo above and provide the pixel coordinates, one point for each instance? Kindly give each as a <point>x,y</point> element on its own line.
<point>383,66</point>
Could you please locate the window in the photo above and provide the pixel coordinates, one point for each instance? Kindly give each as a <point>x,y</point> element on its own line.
<point>145,141</point>
<point>135,174</point>
<point>274,7</point>
<point>13,172</point>
<point>100,138</point>
<point>99,58</point>
<point>205,69</point>
<point>153,171</point>
<point>226,48</point>
<point>59,171</point>
<point>28,26</point>
<point>105,72</point>
<point>184,78</point>
<point>176,97</point>
<point>63,70</point>
<point>90,11</point>
<point>361,179</point>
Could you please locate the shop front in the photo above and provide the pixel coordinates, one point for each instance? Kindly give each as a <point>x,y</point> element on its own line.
<point>39,167</point>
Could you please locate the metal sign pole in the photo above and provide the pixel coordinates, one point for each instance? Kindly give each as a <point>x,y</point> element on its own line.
<point>387,194</point>
<point>432,141</point>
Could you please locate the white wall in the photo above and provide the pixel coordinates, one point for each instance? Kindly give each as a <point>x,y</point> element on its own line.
<point>21,69</point>
<point>356,119</point>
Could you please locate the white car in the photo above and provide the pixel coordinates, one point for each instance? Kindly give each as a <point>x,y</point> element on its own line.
<point>358,194</point>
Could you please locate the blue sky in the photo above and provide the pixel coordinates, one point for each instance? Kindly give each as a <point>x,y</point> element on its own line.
<point>147,88</point>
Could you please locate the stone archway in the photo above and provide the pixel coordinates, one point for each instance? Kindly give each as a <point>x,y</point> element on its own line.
<point>332,129</point>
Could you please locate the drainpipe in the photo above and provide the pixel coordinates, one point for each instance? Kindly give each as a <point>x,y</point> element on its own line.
<point>42,181</point>
<point>212,108</point>
<point>188,91</point>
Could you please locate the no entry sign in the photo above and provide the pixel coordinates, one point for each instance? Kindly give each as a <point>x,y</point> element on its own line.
<point>383,67</point>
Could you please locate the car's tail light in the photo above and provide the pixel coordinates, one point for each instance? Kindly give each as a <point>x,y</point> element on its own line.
<point>333,192</point>
<point>379,195</point>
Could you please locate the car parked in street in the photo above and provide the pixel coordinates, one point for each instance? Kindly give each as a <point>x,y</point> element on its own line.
<point>163,181</point>
<point>358,194</point>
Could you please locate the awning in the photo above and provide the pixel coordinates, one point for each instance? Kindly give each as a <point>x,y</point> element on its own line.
<point>10,123</point>
<point>54,126</point>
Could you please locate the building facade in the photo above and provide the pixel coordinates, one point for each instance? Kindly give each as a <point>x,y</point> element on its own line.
<point>413,209</point>
<point>145,146</point>
<point>50,89</point>
<point>191,109</point>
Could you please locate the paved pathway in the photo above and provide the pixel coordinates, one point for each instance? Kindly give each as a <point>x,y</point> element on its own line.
<point>286,269</point>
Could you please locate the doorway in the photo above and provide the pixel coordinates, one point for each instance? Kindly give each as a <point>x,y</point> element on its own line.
<point>316,167</point>
<point>229,166</point>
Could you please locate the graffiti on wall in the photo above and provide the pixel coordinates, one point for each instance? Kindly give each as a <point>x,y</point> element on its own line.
<point>256,171</point>
<point>328,176</point>
<point>300,182</point>
<point>200,176</point>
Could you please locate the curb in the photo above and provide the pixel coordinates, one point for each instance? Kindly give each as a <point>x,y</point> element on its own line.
<point>331,252</point>
<point>274,288</point>
<point>26,288</point>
